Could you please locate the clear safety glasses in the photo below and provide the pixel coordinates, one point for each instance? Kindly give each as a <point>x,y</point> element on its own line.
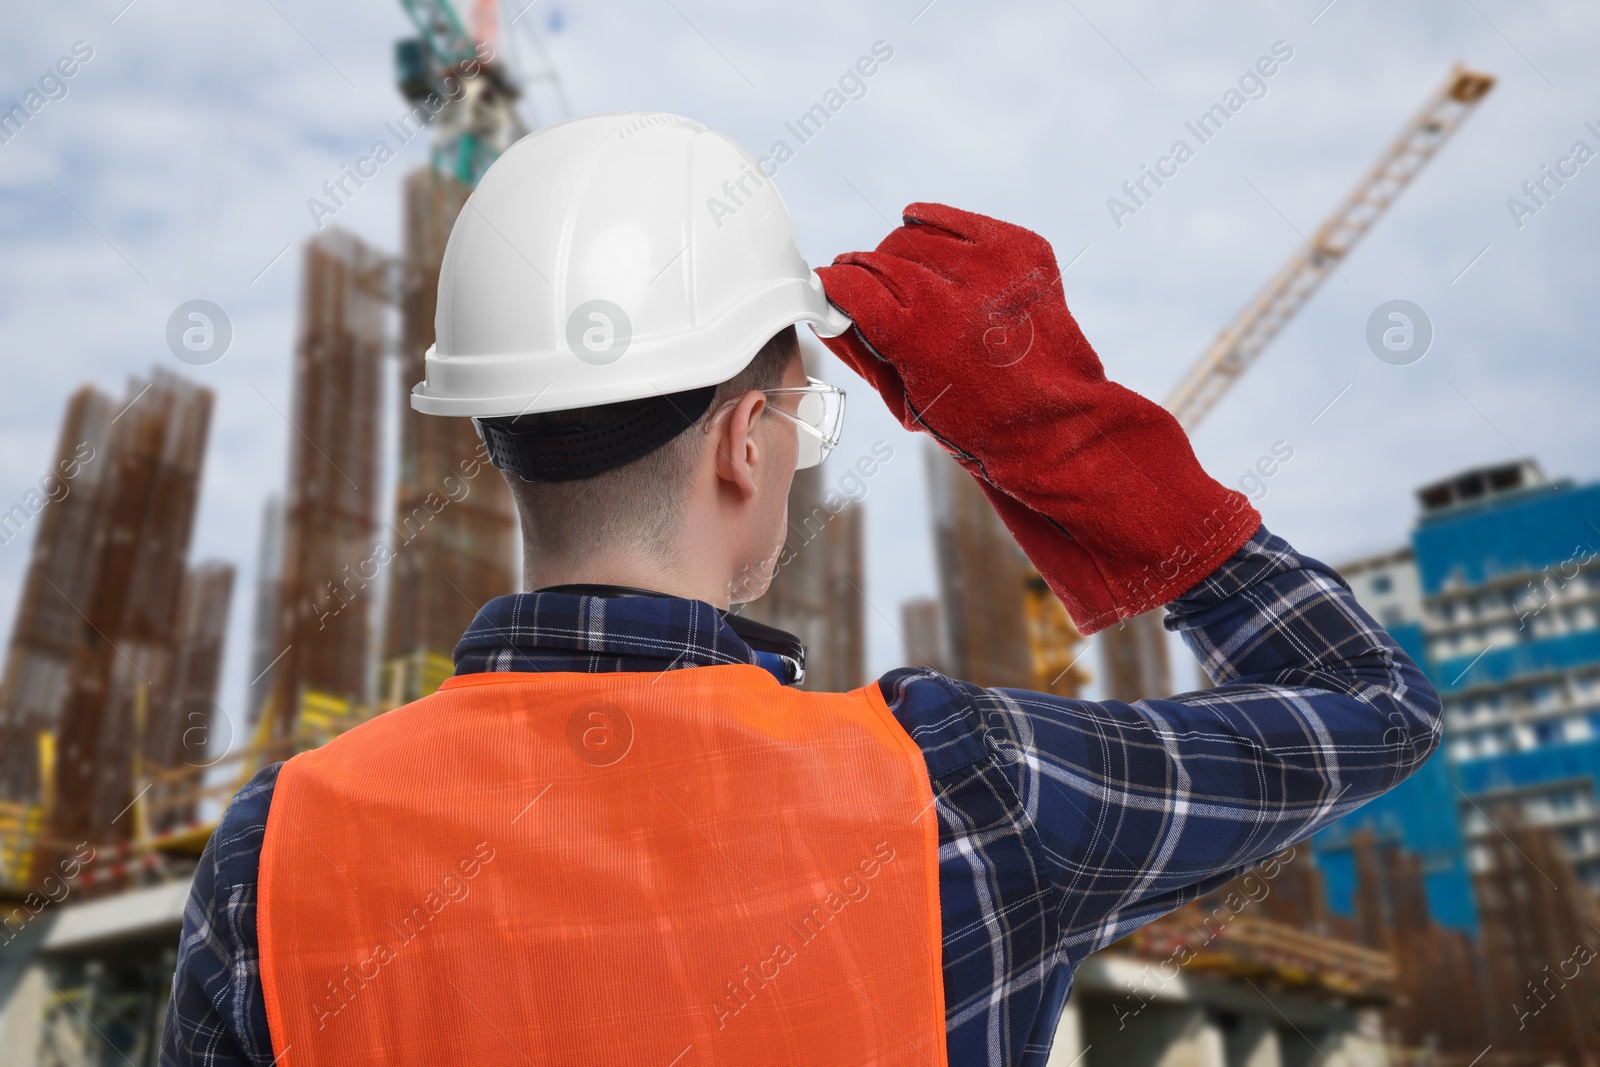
<point>816,409</point>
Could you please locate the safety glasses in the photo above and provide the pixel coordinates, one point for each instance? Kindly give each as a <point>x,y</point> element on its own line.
<point>817,409</point>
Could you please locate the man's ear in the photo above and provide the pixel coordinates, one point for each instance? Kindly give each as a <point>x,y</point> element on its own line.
<point>739,450</point>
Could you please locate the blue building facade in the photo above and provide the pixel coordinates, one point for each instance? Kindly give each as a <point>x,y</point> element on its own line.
<point>1498,598</point>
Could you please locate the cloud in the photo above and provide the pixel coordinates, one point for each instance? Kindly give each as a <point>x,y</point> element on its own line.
<point>194,137</point>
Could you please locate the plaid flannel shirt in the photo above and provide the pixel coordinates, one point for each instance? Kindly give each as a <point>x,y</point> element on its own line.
<point>1064,824</point>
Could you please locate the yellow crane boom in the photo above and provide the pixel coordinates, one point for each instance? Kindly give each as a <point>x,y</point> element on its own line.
<point>1135,654</point>
<point>1243,340</point>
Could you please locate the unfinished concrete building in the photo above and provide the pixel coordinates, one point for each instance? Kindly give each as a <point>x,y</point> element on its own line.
<point>126,661</point>
<point>816,593</point>
<point>62,570</point>
<point>922,631</point>
<point>454,532</point>
<point>1134,657</point>
<point>982,581</point>
<point>1541,934</point>
<point>182,732</point>
<point>264,648</point>
<point>838,639</point>
<point>332,558</point>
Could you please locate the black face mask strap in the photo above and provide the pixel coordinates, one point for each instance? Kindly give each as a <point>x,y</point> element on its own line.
<point>548,453</point>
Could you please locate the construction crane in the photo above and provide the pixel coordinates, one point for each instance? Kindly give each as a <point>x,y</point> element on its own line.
<point>479,118</point>
<point>460,86</point>
<point>1242,341</point>
<point>1135,652</point>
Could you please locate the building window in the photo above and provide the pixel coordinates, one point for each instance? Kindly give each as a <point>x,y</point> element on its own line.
<point>1382,583</point>
<point>1549,732</point>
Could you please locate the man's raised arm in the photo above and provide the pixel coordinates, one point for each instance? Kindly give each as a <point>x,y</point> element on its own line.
<point>1132,809</point>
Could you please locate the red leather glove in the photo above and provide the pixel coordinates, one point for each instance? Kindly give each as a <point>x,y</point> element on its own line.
<point>962,326</point>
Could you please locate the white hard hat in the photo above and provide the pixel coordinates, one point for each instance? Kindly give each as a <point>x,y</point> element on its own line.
<point>611,258</point>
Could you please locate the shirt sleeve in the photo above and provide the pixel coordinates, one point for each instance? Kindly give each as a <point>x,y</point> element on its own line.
<point>217,1016</point>
<point>1132,810</point>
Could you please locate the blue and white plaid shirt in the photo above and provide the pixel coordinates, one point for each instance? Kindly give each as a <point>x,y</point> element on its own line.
<point>1064,824</point>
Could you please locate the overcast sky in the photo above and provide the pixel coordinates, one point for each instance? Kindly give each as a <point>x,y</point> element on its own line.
<point>179,162</point>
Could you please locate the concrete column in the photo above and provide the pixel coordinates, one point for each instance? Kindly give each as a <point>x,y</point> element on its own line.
<point>1210,1046</point>
<point>20,1019</point>
<point>1307,1046</point>
<point>1254,1043</point>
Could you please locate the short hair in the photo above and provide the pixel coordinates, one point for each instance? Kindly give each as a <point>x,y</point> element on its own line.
<point>639,501</point>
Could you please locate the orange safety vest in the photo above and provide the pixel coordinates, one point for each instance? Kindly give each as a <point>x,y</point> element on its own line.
<point>695,867</point>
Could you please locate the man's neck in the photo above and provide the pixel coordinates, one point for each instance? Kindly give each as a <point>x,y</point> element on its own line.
<point>637,572</point>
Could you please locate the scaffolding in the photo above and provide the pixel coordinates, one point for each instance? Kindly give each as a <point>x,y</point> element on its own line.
<point>454,531</point>
<point>1539,918</point>
<point>1002,626</point>
<point>179,733</point>
<point>127,650</point>
<point>1270,926</point>
<point>331,558</point>
<point>1055,647</point>
<point>816,591</point>
<point>118,643</point>
<point>62,571</point>
<point>922,631</point>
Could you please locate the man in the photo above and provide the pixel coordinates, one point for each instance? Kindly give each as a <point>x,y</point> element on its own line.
<point>619,834</point>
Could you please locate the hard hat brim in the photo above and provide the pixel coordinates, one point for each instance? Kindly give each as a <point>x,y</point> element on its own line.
<point>520,383</point>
